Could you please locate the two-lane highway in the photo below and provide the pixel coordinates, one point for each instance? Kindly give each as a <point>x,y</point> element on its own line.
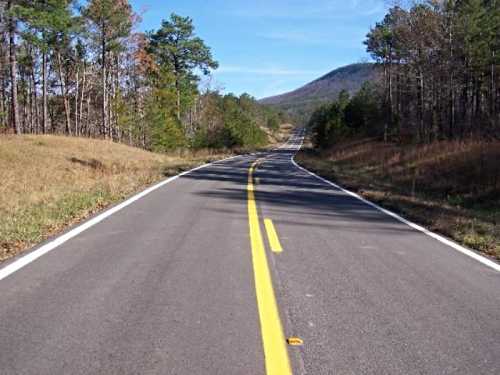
<point>211,273</point>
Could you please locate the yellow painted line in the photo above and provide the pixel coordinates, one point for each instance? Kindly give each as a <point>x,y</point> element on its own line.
<point>272,236</point>
<point>273,340</point>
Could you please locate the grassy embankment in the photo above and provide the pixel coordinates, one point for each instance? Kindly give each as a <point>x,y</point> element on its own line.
<point>50,182</point>
<point>452,188</point>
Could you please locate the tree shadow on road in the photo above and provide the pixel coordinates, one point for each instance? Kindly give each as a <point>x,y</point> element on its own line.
<point>286,191</point>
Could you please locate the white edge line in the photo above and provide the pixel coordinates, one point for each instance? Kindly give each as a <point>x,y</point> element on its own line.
<point>58,241</point>
<point>426,231</point>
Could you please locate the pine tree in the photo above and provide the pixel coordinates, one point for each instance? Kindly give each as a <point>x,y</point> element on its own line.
<point>109,21</point>
<point>176,46</point>
<point>12,30</point>
<point>48,23</point>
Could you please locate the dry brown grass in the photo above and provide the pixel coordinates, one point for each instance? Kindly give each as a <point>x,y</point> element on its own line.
<point>451,187</point>
<point>49,182</point>
<point>281,135</point>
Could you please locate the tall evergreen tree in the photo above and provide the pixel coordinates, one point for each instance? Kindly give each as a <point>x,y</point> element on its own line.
<point>176,45</point>
<point>12,29</point>
<point>48,24</point>
<point>109,21</point>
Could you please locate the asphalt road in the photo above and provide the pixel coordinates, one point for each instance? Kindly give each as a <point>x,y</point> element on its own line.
<point>175,284</point>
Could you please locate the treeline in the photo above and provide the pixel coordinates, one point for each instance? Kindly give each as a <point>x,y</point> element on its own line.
<point>439,62</point>
<point>361,115</point>
<point>84,71</point>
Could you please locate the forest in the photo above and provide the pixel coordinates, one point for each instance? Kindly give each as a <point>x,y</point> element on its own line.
<point>439,67</point>
<point>85,71</point>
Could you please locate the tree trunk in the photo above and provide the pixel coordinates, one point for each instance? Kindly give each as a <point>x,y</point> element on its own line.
<point>386,123</point>
<point>451,82</point>
<point>492,90</point>
<point>421,105</point>
<point>64,94</point>
<point>44,93</point>
<point>452,107</point>
<point>13,72</point>
<point>104,82</point>
<point>3,105</point>
<point>178,102</point>
<point>26,95</point>
<point>177,72</point>
<point>112,74</point>
<point>87,120</point>
<point>391,108</point>
<point>84,74</point>
<point>30,104</point>
<point>35,101</point>
<point>77,130</point>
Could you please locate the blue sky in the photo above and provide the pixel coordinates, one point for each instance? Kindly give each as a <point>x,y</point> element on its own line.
<point>270,47</point>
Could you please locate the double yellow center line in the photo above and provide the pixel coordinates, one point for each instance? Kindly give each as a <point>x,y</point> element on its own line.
<point>273,339</point>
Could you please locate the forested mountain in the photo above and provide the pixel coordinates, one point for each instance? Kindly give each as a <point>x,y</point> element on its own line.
<point>82,70</point>
<point>301,102</point>
<point>440,62</point>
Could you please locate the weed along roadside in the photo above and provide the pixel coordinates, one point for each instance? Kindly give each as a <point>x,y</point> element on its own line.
<point>52,182</point>
<point>440,186</point>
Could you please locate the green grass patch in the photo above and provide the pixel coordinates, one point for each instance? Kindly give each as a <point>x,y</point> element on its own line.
<point>31,225</point>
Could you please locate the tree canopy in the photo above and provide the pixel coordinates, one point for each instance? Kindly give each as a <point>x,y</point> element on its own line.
<point>84,71</point>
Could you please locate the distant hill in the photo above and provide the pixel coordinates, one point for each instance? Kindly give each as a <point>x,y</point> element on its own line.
<point>301,102</point>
